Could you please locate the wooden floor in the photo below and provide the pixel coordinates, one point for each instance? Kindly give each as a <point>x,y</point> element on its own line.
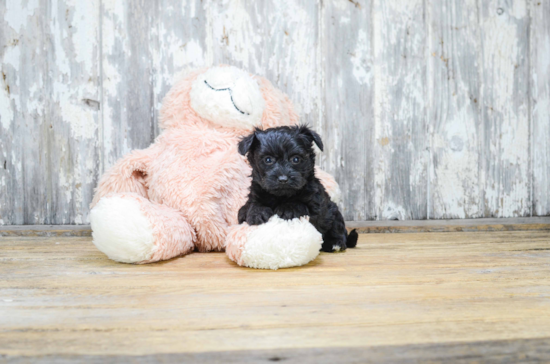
<point>439,297</point>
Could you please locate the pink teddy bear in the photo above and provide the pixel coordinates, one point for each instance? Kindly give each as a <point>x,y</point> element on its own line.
<point>184,191</point>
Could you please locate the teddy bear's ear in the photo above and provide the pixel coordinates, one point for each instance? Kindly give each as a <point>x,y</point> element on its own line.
<point>246,143</point>
<point>311,136</point>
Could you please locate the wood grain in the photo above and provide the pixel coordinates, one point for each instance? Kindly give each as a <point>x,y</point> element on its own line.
<point>455,122</point>
<point>128,97</point>
<point>505,107</point>
<point>349,115</point>
<point>386,226</point>
<point>428,109</point>
<point>426,226</point>
<point>60,296</point>
<point>46,230</point>
<point>400,125</point>
<point>49,111</point>
<point>179,44</point>
<point>497,351</point>
<point>540,105</point>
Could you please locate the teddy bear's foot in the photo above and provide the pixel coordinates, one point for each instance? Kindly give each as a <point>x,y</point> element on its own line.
<point>131,229</point>
<point>276,244</point>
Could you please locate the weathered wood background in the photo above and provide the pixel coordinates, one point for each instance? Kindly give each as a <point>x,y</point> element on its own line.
<point>429,109</point>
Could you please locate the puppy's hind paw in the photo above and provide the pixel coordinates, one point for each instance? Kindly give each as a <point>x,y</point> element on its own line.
<point>333,246</point>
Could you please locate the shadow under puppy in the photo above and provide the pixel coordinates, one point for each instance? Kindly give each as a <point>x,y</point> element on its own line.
<point>284,183</point>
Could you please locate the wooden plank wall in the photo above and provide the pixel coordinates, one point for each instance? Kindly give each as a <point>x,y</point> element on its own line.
<point>428,109</point>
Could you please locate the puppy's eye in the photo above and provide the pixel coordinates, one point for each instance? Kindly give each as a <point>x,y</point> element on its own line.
<point>295,159</point>
<point>268,160</point>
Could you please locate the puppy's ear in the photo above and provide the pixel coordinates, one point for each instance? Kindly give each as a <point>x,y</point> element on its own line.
<point>246,143</point>
<point>311,136</point>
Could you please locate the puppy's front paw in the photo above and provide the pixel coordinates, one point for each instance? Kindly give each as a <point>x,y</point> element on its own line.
<point>291,211</point>
<point>259,215</point>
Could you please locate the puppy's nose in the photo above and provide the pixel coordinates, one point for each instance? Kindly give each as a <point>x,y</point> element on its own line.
<point>283,179</point>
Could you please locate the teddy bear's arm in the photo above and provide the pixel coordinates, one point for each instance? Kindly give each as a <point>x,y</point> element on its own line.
<point>329,183</point>
<point>127,175</point>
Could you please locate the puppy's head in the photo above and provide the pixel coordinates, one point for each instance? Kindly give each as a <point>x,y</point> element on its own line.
<point>282,158</point>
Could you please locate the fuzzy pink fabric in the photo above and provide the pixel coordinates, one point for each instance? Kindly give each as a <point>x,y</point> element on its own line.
<point>191,181</point>
<point>236,240</point>
<point>327,180</point>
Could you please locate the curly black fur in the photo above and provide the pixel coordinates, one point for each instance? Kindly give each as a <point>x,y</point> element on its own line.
<point>284,183</point>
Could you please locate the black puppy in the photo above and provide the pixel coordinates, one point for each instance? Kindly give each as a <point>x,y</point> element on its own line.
<point>284,183</point>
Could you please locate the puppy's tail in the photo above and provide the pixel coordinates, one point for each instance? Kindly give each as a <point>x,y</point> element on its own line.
<point>351,240</point>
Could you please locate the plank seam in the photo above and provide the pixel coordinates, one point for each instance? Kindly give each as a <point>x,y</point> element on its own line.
<point>386,226</point>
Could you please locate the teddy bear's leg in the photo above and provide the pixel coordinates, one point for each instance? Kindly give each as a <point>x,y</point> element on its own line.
<point>276,244</point>
<point>129,228</point>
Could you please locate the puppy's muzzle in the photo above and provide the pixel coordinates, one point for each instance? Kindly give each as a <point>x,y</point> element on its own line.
<point>283,179</point>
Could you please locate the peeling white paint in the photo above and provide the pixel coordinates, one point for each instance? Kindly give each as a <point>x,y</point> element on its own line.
<point>232,29</point>
<point>12,57</point>
<point>18,163</point>
<point>456,171</point>
<point>62,63</point>
<point>6,109</point>
<point>180,55</point>
<point>391,211</point>
<point>300,62</point>
<point>360,68</point>
<point>507,191</point>
<point>113,7</point>
<point>380,86</point>
<point>18,12</point>
<point>85,32</point>
<point>81,119</point>
<point>114,34</point>
<point>400,162</point>
<point>33,103</point>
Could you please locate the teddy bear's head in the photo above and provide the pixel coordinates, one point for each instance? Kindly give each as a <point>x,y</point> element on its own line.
<point>226,97</point>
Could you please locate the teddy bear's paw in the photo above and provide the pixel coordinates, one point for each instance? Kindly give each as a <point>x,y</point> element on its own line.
<point>276,244</point>
<point>121,230</point>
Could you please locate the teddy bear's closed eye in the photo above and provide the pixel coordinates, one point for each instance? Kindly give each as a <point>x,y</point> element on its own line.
<point>228,89</point>
<point>229,97</point>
